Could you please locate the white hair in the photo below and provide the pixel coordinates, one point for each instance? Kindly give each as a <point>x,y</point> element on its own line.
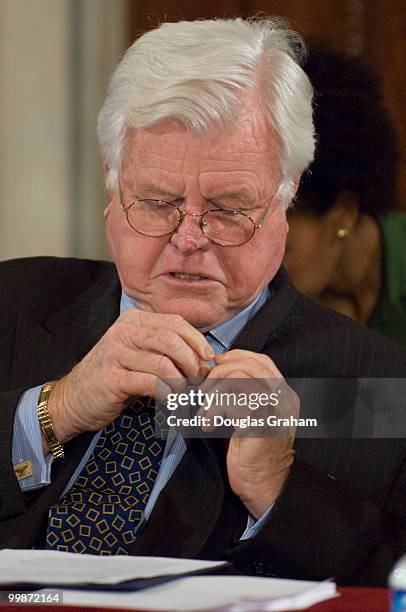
<point>193,72</point>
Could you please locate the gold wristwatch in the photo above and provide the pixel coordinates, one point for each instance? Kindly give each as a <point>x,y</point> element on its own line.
<point>45,422</point>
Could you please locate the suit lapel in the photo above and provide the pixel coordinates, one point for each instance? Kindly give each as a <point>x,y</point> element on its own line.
<point>188,508</point>
<point>59,339</point>
<point>280,316</point>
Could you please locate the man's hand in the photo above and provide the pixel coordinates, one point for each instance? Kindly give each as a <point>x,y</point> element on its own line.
<point>257,465</point>
<point>138,350</point>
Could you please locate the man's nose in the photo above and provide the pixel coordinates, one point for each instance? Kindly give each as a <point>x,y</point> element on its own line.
<point>189,236</point>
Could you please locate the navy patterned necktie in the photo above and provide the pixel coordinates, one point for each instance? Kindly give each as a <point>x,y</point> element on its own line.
<point>99,514</point>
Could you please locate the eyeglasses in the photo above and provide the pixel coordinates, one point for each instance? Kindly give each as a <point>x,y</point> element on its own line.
<point>156,218</point>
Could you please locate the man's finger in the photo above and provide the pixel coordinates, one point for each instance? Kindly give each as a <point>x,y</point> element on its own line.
<point>238,355</point>
<point>174,323</point>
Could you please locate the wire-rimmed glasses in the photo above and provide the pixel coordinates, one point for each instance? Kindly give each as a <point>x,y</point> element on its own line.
<point>158,218</point>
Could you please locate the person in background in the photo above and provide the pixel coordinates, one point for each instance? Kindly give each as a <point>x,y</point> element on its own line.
<point>346,246</point>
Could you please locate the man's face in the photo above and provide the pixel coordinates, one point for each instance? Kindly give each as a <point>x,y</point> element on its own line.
<point>237,169</point>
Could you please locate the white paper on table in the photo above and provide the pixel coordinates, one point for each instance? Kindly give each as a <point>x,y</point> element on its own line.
<point>228,593</point>
<point>53,567</point>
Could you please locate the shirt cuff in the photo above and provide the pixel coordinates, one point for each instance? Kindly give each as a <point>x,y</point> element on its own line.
<point>27,443</point>
<point>254,526</point>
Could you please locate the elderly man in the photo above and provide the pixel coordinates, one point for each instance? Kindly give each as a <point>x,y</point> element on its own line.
<point>205,133</point>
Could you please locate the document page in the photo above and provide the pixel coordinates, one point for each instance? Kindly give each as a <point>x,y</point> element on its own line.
<point>225,593</point>
<point>53,567</point>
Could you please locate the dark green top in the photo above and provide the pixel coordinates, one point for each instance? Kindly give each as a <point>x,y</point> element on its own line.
<point>389,315</point>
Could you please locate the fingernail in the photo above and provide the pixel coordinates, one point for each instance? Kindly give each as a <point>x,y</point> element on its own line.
<point>209,353</point>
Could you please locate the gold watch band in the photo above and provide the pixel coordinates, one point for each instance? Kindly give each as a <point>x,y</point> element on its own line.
<point>45,422</point>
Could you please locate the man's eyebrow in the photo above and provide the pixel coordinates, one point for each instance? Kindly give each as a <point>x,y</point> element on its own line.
<point>143,188</point>
<point>243,196</point>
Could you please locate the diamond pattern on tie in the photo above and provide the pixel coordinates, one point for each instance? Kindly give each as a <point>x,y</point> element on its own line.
<point>100,512</point>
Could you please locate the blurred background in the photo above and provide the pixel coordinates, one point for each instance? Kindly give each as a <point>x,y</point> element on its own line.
<point>56,58</point>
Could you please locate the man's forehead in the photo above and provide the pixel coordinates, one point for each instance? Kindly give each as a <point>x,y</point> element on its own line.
<point>167,159</point>
<point>249,134</point>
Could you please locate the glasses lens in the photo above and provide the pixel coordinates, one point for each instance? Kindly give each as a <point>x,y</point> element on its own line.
<point>228,227</point>
<point>153,217</point>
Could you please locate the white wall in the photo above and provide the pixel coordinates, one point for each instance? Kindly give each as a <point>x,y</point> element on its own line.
<point>55,60</point>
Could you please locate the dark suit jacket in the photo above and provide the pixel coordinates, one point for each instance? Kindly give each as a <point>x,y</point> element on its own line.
<point>342,511</point>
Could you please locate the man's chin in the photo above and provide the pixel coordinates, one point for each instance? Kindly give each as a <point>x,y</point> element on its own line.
<point>202,316</point>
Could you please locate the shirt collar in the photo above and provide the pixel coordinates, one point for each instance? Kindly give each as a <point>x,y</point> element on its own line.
<point>225,333</point>
<point>229,330</point>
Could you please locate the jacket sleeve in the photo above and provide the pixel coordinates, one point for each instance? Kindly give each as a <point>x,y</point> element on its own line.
<point>22,515</point>
<point>11,497</point>
<point>320,529</point>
